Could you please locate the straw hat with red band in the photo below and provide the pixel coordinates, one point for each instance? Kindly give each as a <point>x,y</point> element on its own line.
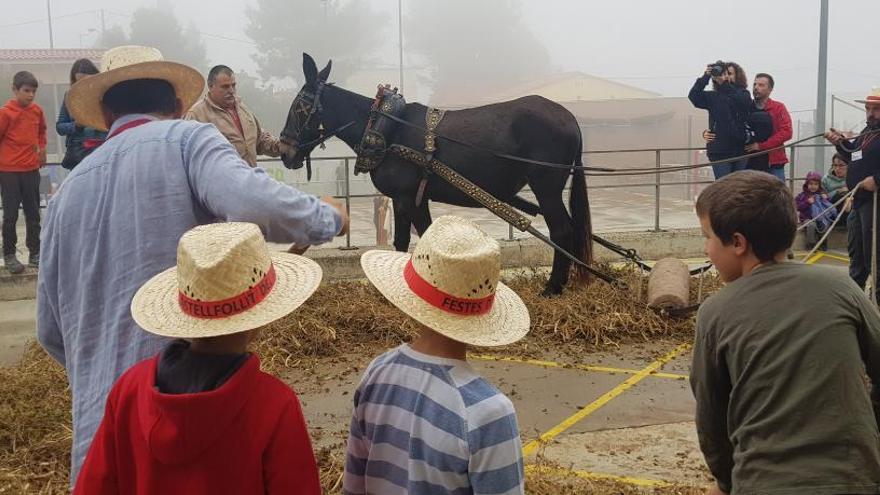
<point>873,98</point>
<point>226,281</point>
<point>127,63</point>
<point>451,284</point>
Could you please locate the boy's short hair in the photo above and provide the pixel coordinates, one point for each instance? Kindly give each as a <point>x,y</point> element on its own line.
<point>141,96</point>
<point>24,78</point>
<point>757,205</point>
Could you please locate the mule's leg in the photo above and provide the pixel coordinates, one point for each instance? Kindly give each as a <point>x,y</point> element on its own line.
<point>549,195</point>
<point>402,215</point>
<point>422,217</point>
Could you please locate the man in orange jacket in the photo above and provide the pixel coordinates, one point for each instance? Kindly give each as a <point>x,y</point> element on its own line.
<point>22,153</point>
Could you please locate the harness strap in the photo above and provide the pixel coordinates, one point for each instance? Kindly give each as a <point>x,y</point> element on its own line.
<point>432,119</point>
<point>420,192</point>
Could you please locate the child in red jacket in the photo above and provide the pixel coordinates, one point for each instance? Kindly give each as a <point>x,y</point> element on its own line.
<point>22,153</point>
<point>201,418</point>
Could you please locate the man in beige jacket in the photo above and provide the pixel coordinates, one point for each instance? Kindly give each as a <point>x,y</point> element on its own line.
<point>221,107</point>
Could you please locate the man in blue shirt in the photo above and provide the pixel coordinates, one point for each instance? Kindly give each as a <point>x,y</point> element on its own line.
<point>116,220</point>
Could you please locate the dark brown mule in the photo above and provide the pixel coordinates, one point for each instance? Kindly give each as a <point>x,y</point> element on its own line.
<point>532,128</point>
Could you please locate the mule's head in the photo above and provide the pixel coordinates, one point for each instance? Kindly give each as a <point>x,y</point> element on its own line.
<point>304,128</point>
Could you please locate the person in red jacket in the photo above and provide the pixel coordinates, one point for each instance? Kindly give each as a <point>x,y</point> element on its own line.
<point>201,418</point>
<point>22,153</point>
<point>761,90</point>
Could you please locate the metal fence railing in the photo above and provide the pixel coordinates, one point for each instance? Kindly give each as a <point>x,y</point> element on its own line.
<point>349,188</point>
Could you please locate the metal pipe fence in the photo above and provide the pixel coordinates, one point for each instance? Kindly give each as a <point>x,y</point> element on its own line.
<point>344,187</point>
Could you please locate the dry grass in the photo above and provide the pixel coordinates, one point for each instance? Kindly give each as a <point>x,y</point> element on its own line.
<point>348,316</point>
<point>35,434</point>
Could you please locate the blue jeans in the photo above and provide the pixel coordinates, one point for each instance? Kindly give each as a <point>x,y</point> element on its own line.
<point>779,172</point>
<point>723,169</point>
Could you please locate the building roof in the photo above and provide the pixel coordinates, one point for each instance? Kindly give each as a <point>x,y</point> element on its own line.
<point>563,86</point>
<point>45,55</point>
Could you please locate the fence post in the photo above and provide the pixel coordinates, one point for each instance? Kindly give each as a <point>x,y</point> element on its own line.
<point>657,194</point>
<point>791,169</point>
<point>348,206</point>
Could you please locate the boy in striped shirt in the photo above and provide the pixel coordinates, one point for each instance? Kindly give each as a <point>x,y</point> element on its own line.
<point>424,421</point>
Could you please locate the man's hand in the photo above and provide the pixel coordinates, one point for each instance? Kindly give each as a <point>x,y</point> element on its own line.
<point>340,208</point>
<point>708,136</point>
<point>43,156</point>
<point>834,136</point>
<point>714,490</point>
<point>752,148</point>
<point>868,184</point>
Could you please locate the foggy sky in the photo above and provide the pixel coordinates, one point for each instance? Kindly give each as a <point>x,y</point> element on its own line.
<point>660,46</point>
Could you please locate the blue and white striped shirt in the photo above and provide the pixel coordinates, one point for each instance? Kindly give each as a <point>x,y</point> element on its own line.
<point>429,425</point>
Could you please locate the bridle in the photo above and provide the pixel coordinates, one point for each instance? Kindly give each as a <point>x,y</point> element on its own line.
<point>305,115</point>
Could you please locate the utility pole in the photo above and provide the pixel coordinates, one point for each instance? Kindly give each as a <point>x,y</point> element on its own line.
<point>49,14</point>
<point>822,88</point>
<point>400,39</point>
<point>54,82</point>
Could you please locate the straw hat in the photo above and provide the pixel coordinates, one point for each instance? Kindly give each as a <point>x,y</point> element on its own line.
<point>451,284</point>
<point>873,98</point>
<point>126,63</point>
<point>226,281</point>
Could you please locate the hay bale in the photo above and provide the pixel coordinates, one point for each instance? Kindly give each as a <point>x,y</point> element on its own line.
<point>669,284</point>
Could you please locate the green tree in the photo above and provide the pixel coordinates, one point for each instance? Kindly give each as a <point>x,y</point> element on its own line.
<point>269,103</point>
<point>160,29</point>
<point>349,33</point>
<point>114,36</point>
<point>489,45</point>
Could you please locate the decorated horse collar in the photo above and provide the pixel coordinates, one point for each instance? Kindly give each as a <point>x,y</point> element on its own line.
<point>379,129</point>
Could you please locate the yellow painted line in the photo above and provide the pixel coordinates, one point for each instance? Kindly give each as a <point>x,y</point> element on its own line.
<point>837,257</point>
<point>554,471</point>
<point>583,367</point>
<point>604,399</point>
<point>816,257</point>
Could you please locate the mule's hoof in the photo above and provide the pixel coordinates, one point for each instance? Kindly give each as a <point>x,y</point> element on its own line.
<point>551,291</point>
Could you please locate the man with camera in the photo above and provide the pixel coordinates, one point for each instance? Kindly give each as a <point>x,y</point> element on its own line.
<point>770,124</point>
<point>729,105</point>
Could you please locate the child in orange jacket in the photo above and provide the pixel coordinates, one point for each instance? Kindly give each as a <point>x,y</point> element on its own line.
<point>22,153</point>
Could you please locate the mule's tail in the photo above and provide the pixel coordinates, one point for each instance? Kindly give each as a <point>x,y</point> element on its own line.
<point>579,205</point>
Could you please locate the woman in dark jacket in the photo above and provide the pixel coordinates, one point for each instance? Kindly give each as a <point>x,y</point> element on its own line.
<point>76,135</point>
<point>729,105</point>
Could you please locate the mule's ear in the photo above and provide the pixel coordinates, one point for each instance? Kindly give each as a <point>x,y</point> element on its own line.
<point>325,72</point>
<point>310,69</point>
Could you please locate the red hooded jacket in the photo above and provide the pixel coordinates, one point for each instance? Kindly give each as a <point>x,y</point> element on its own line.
<point>781,132</point>
<point>22,137</point>
<point>248,436</point>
